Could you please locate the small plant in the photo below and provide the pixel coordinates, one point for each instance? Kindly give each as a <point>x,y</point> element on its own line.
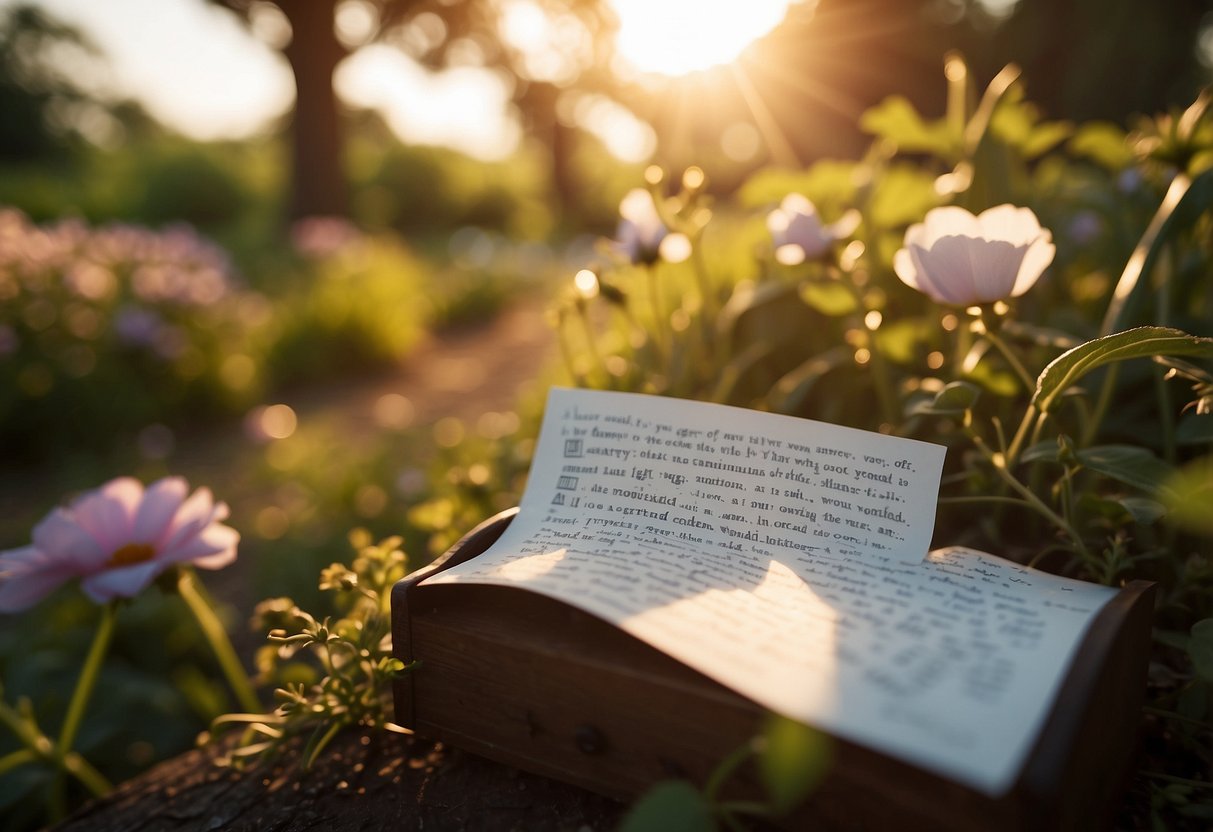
<point>346,681</point>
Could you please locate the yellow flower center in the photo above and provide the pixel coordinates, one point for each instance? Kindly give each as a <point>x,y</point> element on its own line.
<point>132,553</point>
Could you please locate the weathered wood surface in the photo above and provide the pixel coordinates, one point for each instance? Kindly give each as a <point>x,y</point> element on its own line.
<point>364,782</point>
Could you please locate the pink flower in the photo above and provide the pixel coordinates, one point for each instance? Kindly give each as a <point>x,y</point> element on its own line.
<point>117,539</point>
<point>961,259</point>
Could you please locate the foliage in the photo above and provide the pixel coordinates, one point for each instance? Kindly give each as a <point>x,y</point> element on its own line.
<point>346,681</point>
<point>1077,413</point>
<point>121,324</point>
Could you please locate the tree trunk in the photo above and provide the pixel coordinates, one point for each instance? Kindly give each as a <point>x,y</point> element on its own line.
<point>363,781</point>
<point>318,184</point>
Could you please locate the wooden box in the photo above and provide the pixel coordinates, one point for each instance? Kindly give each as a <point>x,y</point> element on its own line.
<point>534,683</point>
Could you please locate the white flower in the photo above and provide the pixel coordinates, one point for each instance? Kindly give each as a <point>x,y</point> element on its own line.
<point>798,232</point>
<point>642,237</point>
<point>963,260</point>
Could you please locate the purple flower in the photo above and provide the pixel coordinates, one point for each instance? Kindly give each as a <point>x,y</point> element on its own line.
<point>960,259</point>
<point>642,237</point>
<point>116,540</point>
<point>798,232</point>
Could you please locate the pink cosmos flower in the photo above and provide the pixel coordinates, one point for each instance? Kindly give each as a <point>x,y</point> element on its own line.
<point>961,259</point>
<point>117,539</point>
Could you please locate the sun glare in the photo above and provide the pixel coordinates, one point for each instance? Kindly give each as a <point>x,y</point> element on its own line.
<point>676,37</point>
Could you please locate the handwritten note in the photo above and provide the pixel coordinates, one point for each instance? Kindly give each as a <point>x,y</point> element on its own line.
<point>787,559</point>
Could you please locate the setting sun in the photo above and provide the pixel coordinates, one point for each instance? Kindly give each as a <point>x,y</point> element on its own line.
<point>675,37</point>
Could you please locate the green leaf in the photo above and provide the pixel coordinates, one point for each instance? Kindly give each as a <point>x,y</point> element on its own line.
<point>1200,648</point>
<point>896,119</point>
<point>1190,494</point>
<point>670,806</point>
<point>790,391</point>
<point>1041,452</point>
<point>1195,429</point>
<point>793,761</point>
<point>1143,510</point>
<point>1129,464</point>
<point>740,367</point>
<point>1103,142</point>
<point>902,195</point>
<point>956,397</point>
<point>831,298</point>
<point>829,183</point>
<point>1186,200</point>
<point>900,340</point>
<point>1143,342</point>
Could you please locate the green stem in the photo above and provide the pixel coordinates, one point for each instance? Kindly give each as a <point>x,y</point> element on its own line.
<point>1021,433</point>
<point>220,644</point>
<point>880,369</point>
<point>87,680</point>
<point>1012,359</point>
<point>566,353</point>
<point>591,340</point>
<point>92,779</point>
<point>956,501</point>
<point>660,320</point>
<point>57,795</point>
<point>1000,467</point>
<point>17,758</point>
<point>725,770</point>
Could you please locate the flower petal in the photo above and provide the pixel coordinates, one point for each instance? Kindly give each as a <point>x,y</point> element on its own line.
<point>125,582</point>
<point>108,513</point>
<point>61,538</point>
<point>160,503</point>
<point>194,515</point>
<point>1039,256</point>
<point>945,271</point>
<point>948,221</point>
<point>27,576</point>
<point>994,266</point>
<point>1017,226</point>
<point>903,264</point>
<point>214,548</point>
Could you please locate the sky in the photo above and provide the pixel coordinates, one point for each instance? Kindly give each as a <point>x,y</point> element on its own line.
<point>196,68</point>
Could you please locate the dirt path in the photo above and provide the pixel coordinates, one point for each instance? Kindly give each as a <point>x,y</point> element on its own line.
<point>462,373</point>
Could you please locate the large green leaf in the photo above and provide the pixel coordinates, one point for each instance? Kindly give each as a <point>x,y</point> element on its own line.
<point>1143,342</point>
<point>672,806</point>
<point>1129,464</point>
<point>1104,143</point>
<point>901,195</point>
<point>896,119</point>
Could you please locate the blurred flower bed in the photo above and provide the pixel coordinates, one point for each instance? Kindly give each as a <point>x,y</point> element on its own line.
<point>121,332</point>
